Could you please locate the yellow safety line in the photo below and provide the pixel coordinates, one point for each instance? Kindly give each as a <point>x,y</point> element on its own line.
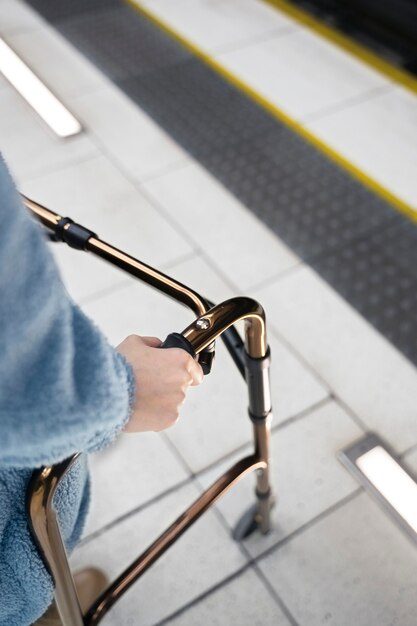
<point>356,49</point>
<point>366,180</point>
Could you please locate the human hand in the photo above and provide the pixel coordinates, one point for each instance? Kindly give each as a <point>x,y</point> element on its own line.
<point>162,380</point>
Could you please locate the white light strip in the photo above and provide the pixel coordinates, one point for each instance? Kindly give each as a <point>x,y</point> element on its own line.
<point>394,484</point>
<point>37,95</point>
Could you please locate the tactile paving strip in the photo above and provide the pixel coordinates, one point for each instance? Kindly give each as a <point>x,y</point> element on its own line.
<point>55,10</point>
<point>377,274</point>
<point>108,38</point>
<point>355,240</point>
<point>307,200</point>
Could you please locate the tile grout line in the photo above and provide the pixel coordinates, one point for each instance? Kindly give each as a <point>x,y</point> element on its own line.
<point>63,166</point>
<point>162,211</point>
<point>182,460</point>
<point>274,594</point>
<point>300,357</point>
<point>252,562</point>
<point>141,507</point>
<point>195,601</point>
<point>268,282</point>
<point>276,33</point>
<point>170,168</point>
<point>319,377</point>
<point>326,112</point>
<point>304,413</point>
<point>311,523</point>
<point>408,451</point>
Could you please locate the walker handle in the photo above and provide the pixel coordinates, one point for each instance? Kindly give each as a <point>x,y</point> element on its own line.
<point>205,358</point>
<point>176,340</point>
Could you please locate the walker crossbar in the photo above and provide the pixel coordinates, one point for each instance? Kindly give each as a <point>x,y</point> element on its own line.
<point>252,359</point>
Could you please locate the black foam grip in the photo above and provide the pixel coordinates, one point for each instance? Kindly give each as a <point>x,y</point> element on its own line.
<point>176,340</point>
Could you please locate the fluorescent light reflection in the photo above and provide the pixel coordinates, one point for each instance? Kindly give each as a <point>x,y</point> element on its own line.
<point>394,484</point>
<point>36,94</point>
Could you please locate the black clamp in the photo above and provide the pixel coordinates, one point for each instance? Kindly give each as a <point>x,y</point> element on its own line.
<point>75,235</point>
<point>257,378</point>
<point>253,365</point>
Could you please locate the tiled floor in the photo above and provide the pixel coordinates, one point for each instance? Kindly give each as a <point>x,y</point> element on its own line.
<point>333,556</point>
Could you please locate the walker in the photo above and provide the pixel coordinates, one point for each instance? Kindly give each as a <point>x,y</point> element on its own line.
<point>252,359</point>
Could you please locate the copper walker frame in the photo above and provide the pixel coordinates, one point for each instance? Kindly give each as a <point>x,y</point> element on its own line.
<point>252,358</point>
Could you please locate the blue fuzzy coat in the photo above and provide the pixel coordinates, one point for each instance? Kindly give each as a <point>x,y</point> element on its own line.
<point>63,389</point>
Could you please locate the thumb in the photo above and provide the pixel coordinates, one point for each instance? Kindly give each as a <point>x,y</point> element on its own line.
<point>151,342</point>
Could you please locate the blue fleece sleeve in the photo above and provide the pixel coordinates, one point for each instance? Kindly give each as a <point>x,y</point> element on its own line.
<point>63,388</point>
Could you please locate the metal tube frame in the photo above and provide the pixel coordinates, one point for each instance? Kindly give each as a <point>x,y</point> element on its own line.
<point>217,320</point>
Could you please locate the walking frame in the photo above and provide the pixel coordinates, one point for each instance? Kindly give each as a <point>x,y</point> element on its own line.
<point>252,358</point>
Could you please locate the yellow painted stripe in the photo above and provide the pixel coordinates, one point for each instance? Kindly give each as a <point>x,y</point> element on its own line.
<point>396,74</point>
<point>332,154</point>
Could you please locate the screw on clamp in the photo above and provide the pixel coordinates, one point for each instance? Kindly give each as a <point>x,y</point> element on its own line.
<point>203,323</point>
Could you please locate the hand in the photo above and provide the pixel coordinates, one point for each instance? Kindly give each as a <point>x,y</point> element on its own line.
<point>162,380</point>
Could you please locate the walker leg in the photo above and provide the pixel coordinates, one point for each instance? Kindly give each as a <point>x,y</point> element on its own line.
<point>264,496</point>
<point>257,378</point>
<point>258,515</point>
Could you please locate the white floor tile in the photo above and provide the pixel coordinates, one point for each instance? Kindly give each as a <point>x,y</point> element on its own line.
<point>306,476</point>
<point>94,193</point>
<point>56,62</point>
<point>354,567</point>
<point>360,365</point>
<point>214,419</point>
<point>29,146</point>
<point>301,73</point>
<point>234,240</point>
<point>135,469</point>
<point>411,461</point>
<point>244,602</point>
<point>380,138</point>
<point>204,556</point>
<point>213,26</point>
<point>16,16</point>
<point>123,130</point>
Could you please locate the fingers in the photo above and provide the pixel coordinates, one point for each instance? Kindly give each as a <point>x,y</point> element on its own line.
<point>196,373</point>
<point>188,365</point>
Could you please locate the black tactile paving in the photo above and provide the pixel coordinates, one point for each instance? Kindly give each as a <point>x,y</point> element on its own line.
<point>310,202</point>
<point>355,240</point>
<point>187,99</point>
<point>119,44</point>
<point>56,10</point>
<point>377,274</point>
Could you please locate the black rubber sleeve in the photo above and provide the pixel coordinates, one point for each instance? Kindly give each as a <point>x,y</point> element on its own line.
<point>176,340</point>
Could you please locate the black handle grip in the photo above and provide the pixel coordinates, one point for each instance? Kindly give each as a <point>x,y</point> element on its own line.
<point>175,340</point>
<point>205,358</point>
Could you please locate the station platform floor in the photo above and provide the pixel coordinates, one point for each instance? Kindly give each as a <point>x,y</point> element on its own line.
<point>147,175</point>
